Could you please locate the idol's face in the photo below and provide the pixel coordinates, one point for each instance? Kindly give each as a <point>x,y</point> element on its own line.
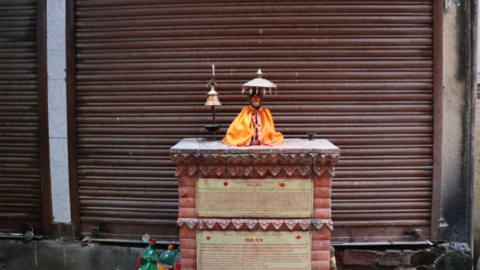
<point>255,100</point>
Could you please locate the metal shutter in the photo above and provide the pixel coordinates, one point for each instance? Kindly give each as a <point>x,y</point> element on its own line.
<point>20,177</point>
<point>358,73</point>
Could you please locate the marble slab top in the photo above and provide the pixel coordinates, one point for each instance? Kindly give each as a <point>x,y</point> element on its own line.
<point>203,145</point>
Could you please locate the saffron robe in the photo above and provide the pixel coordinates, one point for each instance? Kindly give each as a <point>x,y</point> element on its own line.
<point>241,130</point>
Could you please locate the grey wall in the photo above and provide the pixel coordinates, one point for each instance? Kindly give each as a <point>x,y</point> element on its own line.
<point>59,255</point>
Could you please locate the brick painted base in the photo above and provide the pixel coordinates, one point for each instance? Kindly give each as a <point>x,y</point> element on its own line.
<point>294,159</point>
<point>320,247</point>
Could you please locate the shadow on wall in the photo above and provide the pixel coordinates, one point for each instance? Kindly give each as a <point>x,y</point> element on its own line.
<point>71,255</point>
<point>454,256</point>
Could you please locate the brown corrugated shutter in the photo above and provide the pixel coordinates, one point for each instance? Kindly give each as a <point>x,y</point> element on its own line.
<point>20,180</point>
<point>356,73</point>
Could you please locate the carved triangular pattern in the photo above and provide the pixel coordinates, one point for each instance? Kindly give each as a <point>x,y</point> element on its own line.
<point>191,170</point>
<point>191,222</point>
<point>264,223</point>
<point>219,170</point>
<point>233,170</point>
<point>289,169</point>
<point>275,170</point>
<point>178,171</point>
<point>277,223</point>
<point>180,222</point>
<point>223,223</point>
<point>237,223</point>
<point>251,223</point>
<point>261,170</point>
<point>304,223</point>
<point>204,169</point>
<point>291,223</point>
<point>303,170</point>
<point>247,170</point>
<point>209,222</point>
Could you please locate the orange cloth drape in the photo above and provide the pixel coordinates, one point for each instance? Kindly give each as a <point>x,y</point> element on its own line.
<point>241,130</point>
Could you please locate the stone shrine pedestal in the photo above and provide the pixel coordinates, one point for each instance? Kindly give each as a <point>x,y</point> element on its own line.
<point>256,207</point>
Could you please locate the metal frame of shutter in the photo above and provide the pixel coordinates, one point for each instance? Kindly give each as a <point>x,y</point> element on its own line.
<point>25,189</point>
<point>365,76</point>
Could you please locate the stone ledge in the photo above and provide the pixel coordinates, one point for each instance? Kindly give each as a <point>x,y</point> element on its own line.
<point>254,159</point>
<point>292,151</point>
<point>292,146</point>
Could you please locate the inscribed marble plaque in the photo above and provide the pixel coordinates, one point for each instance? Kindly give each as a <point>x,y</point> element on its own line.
<point>254,250</point>
<point>254,198</point>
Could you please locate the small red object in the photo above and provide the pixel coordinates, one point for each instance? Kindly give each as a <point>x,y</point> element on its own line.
<point>225,183</point>
<point>298,237</point>
<point>139,260</point>
<point>208,238</point>
<point>153,240</point>
<point>282,184</point>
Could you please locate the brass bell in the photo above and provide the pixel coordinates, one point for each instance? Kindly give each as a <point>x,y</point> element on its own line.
<point>212,98</point>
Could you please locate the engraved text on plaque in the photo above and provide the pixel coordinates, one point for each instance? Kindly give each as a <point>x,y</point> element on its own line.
<point>254,250</point>
<point>254,198</point>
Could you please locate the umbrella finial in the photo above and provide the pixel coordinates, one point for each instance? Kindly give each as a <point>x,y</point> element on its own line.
<point>259,73</point>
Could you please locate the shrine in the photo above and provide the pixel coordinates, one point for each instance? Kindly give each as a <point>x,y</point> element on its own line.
<point>255,207</point>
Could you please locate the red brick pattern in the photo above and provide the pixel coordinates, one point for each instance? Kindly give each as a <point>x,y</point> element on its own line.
<point>294,159</point>
<point>320,238</point>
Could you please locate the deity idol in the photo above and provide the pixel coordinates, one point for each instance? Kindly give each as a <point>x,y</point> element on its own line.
<point>254,125</point>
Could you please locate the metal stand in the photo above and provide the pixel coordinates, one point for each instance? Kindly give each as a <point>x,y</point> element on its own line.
<point>214,128</point>
<point>214,132</point>
<point>213,101</point>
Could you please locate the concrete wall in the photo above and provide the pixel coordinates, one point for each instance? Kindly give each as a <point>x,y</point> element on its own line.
<point>454,101</point>
<point>60,255</point>
<point>456,121</point>
<point>476,246</point>
<point>446,256</point>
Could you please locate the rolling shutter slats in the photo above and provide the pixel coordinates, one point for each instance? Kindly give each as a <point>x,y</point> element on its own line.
<point>358,75</point>
<point>20,184</point>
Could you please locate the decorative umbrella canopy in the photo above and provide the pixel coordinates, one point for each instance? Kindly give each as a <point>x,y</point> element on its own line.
<point>259,83</point>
